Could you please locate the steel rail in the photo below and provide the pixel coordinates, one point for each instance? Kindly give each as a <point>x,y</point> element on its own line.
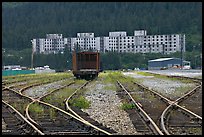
<point>152,124</point>
<point>67,113</point>
<point>67,100</point>
<point>175,103</point>
<point>166,100</point>
<point>18,93</point>
<point>79,119</point>
<point>22,117</point>
<point>35,100</point>
<point>69,109</point>
<point>36,84</point>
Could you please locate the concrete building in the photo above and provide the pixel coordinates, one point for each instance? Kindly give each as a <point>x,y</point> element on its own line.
<point>53,43</point>
<point>142,43</point>
<point>166,63</point>
<point>85,41</point>
<point>116,42</point>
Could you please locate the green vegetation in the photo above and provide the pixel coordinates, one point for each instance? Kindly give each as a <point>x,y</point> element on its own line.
<point>179,91</point>
<point>20,24</point>
<point>127,106</point>
<point>110,87</point>
<point>195,131</point>
<point>80,102</point>
<point>110,76</point>
<point>59,96</point>
<point>36,108</point>
<point>52,113</point>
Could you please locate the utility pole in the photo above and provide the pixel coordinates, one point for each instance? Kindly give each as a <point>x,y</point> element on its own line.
<point>32,56</point>
<point>182,44</point>
<point>201,61</point>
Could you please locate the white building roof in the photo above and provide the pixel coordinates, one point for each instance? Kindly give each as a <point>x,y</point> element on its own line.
<point>161,59</point>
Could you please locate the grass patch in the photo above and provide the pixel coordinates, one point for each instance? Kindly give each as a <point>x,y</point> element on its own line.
<point>110,87</point>
<point>179,91</point>
<point>196,131</point>
<point>59,96</point>
<point>110,76</point>
<point>53,113</point>
<point>80,102</point>
<point>36,108</point>
<point>127,106</point>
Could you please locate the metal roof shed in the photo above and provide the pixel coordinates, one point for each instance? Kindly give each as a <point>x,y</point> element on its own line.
<point>164,63</point>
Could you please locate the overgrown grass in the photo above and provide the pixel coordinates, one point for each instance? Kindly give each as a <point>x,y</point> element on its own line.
<point>110,76</point>
<point>53,113</point>
<point>59,96</point>
<point>36,108</point>
<point>196,131</point>
<point>179,91</point>
<point>38,77</point>
<point>110,87</point>
<point>127,106</point>
<point>80,102</point>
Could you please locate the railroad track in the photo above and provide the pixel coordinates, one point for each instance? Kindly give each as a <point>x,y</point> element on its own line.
<point>81,127</point>
<point>196,100</point>
<point>146,118</point>
<point>15,99</point>
<point>15,123</point>
<point>84,116</point>
<point>187,123</point>
<point>194,121</point>
<point>170,120</point>
<point>24,80</point>
<point>63,122</point>
<point>18,101</point>
<point>14,105</point>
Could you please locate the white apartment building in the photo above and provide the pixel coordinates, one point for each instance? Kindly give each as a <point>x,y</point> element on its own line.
<point>53,43</point>
<point>85,41</point>
<point>116,42</point>
<point>143,43</point>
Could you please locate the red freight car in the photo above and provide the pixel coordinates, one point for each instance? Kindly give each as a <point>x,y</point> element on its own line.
<point>85,64</point>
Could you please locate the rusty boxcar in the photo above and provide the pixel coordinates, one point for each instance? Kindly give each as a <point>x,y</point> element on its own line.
<point>86,64</point>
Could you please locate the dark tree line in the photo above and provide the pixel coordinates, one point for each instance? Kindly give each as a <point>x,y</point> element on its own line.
<point>22,22</point>
<point>110,60</point>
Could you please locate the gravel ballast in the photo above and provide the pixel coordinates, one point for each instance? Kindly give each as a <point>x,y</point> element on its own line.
<point>42,89</point>
<point>166,87</point>
<point>105,109</point>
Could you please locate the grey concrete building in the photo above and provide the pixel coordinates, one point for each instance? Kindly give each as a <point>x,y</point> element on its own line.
<point>118,41</point>
<point>53,43</point>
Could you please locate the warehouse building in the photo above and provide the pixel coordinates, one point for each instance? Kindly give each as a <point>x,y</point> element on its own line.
<point>167,63</point>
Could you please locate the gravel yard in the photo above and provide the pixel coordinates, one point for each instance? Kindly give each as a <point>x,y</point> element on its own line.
<point>169,88</point>
<point>105,108</point>
<point>178,72</point>
<point>42,89</point>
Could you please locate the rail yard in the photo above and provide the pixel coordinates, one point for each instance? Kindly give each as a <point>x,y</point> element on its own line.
<point>114,103</point>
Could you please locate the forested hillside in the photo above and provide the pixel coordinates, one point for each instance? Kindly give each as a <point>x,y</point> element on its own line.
<point>25,21</point>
